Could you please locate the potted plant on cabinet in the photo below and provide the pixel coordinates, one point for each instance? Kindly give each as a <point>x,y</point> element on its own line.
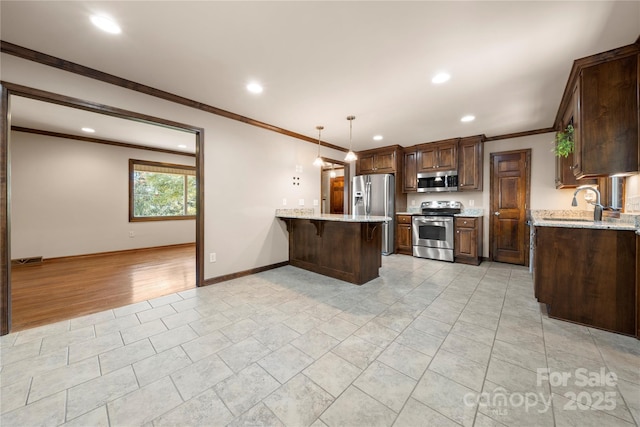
<point>564,142</point>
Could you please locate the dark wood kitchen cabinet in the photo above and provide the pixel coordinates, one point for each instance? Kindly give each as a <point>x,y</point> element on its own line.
<point>437,156</point>
<point>587,276</point>
<point>603,92</point>
<point>467,245</point>
<point>638,286</point>
<point>404,242</point>
<point>565,178</point>
<point>410,172</point>
<point>379,160</point>
<point>470,163</point>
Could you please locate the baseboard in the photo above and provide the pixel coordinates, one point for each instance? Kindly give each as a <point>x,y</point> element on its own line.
<point>244,273</point>
<point>25,262</point>
<point>123,251</point>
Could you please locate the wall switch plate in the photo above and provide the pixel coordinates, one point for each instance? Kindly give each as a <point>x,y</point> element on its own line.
<point>212,257</point>
<point>413,203</point>
<point>301,202</point>
<point>284,202</point>
<point>132,234</point>
<point>315,202</point>
<point>471,202</point>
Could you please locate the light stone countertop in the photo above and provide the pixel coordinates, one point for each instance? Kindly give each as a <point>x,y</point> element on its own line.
<point>305,214</point>
<point>582,219</point>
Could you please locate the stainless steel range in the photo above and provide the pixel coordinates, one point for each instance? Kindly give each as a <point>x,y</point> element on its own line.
<point>433,230</point>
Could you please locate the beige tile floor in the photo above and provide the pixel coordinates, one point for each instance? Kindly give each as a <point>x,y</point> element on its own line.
<point>427,344</point>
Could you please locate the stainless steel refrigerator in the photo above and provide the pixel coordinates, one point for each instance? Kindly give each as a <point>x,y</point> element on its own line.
<point>375,195</point>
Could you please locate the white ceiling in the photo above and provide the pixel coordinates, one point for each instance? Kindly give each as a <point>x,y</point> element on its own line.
<point>30,113</point>
<point>322,61</point>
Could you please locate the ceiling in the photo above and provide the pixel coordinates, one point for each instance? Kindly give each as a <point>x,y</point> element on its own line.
<point>33,114</point>
<point>322,61</point>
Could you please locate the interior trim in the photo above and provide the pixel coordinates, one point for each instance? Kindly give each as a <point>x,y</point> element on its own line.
<point>123,251</point>
<point>226,277</point>
<point>519,134</point>
<point>72,67</point>
<point>5,215</point>
<point>8,89</point>
<point>98,140</point>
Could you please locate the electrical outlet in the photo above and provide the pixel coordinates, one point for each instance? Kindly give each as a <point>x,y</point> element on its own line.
<point>132,234</point>
<point>315,202</point>
<point>301,202</point>
<point>284,202</point>
<point>471,202</point>
<point>212,257</point>
<point>413,203</point>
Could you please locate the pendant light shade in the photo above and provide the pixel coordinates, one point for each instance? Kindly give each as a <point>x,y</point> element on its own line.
<point>351,156</point>
<point>318,161</point>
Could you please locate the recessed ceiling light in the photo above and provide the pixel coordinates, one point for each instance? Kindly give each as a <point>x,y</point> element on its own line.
<point>182,146</point>
<point>440,78</point>
<point>105,24</point>
<point>468,118</point>
<point>88,130</point>
<point>378,138</point>
<point>254,88</point>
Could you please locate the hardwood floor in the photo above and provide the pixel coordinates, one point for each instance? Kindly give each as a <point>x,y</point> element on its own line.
<point>64,288</point>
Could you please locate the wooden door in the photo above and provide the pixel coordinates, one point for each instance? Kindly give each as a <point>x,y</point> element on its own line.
<point>336,195</point>
<point>509,201</point>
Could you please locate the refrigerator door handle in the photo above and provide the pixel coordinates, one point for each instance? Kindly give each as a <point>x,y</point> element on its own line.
<point>367,208</point>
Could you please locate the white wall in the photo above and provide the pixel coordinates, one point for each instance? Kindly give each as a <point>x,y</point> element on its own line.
<point>72,198</point>
<point>248,171</point>
<point>544,194</point>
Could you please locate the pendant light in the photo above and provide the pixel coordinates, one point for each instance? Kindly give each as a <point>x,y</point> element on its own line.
<point>351,156</point>
<point>318,161</point>
<point>332,174</point>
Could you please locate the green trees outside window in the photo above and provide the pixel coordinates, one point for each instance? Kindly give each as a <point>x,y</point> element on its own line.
<point>161,191</point>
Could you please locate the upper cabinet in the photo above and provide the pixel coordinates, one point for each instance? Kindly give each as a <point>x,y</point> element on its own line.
<point>410,174</point>
<point>470,163</point>
<point>437,156</point>
<point>565,178</point>
<point>379,160</point>
<point>601,102</point>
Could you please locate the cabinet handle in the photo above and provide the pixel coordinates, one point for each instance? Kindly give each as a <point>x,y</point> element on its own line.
<point>458,231</point>
<point>575,166</point>
<point>496,213</point>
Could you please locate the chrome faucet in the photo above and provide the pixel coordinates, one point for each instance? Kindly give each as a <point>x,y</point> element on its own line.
<point>597,212</point>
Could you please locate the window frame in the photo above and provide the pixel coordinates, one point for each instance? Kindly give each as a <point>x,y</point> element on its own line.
<point>132,217</point>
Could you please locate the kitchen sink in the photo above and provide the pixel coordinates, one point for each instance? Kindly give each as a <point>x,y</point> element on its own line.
<point>568,219</point>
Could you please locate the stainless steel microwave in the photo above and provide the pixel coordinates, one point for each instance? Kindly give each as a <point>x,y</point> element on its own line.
<point>432,182</point>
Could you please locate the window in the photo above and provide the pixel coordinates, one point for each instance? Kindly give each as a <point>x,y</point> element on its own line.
<point>161,191</point>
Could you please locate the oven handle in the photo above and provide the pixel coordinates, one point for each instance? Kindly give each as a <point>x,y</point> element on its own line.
<point>433,219</point>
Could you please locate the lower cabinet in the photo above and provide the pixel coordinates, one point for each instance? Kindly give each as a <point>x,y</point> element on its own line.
<point>467,246</point>
<point>588,276</point>
<point>404,243</point>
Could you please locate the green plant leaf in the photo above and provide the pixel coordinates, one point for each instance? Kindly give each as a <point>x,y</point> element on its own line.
<point>564,142</point>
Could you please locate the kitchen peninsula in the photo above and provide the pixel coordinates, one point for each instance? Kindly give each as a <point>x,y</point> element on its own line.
<point>345,247</point>
<point>579,284</point>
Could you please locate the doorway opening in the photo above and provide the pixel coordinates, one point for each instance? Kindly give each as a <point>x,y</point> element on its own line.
<point>9,91</point>
<point>334,187</point>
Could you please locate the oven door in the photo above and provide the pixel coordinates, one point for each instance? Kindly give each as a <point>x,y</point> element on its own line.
<point>433,231</point>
